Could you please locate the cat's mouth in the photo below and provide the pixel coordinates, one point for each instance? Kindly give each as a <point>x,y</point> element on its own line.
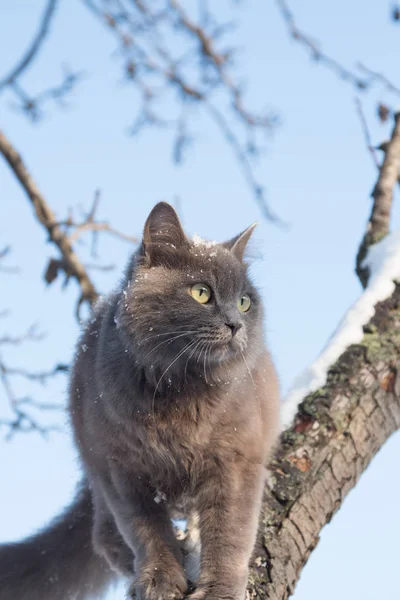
<point>222,348</point>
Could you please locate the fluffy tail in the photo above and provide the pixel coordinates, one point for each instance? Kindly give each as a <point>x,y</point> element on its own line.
<point>58,563</point>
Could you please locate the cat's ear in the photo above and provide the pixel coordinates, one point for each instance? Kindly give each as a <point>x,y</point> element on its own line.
<point>237,245</point>
<point>162,231</point>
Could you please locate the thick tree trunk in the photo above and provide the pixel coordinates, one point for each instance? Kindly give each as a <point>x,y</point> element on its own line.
<point>336,433</point>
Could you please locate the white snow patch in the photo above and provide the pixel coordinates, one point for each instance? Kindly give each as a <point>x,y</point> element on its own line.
<point>160,497</point>
<point>383,260</point>
<point>198,241</point>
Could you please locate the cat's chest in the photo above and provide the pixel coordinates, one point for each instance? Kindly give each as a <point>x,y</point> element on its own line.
<point>181,438</point>
<point>170,446</point>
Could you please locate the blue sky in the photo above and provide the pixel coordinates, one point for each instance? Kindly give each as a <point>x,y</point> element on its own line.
<point>318,175</point>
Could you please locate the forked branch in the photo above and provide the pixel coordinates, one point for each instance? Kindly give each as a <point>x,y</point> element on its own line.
<point>71,264</point>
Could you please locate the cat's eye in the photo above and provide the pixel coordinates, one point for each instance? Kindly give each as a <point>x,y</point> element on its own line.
<point>201,292</point>
<point>244,303</point>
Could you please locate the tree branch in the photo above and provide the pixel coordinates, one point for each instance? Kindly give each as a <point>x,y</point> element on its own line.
<point>366,132</point>
<point>364,82</point>
<point>89,224</point>
<point>70,261</point>
<point>20,409</point>
<point>33,49</point>
<point>315,51</point>
<point>382,194</point>
<point>199,77</point>
<point>337,431</point>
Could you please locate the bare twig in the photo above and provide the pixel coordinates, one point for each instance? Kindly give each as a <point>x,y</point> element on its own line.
<point>22,420</point>
<point>199,78</point>
<point>376,77</point>
<point>31,53</point>
<point>39,376</point>
<point>5,268</point>
<point>71,264</point>
<point>243,159</point>
<point>89,224</point>
<point>32,106</point>
<point>315,51</point>
<point>361,82</point>
<point>366,132</point>
<point>32,335</point>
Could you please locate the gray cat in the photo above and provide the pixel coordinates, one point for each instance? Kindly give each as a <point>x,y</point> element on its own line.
<point>174,404</point>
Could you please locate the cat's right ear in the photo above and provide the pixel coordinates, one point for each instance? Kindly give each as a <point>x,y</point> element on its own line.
<point>162,233</point>
<point>237,245</point>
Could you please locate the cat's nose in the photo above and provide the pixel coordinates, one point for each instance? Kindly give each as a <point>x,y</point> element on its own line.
<point>234,327</point>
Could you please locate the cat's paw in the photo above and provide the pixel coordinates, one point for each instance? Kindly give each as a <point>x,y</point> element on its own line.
<point>159,582</point>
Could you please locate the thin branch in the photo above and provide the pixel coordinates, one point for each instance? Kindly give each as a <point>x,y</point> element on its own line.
<point>4,268</point>
<point>382,194</point>
<point>5,252</point>
<point>31,53</point>
<point>22,420</point>
<point>71,263</point>
<point>257,189</point>
<point>376,77</point>
<point>32,106</point>
<point>104,268</point>
<point>38,376</point>
<point>361,82</point>
<point>315,51</point>
<point>366,132</point>
<point>199,78</point>
<point>91,225</point>
<point>31,335</point>
<point>76,229</point>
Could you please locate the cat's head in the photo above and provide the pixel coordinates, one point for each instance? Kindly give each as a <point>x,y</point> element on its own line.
<point>187,304</point>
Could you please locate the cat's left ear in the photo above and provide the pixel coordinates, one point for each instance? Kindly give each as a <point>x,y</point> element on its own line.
<point>237,245</point>
<point>162,232</point>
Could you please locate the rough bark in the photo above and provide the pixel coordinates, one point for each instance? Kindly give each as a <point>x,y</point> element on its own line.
<point>336,433</point>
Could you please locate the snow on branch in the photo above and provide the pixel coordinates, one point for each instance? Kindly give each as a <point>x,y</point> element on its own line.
<point>383,262</point>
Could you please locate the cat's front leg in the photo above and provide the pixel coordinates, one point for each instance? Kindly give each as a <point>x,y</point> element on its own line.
<point>146,527</point>
<point>228,504</point>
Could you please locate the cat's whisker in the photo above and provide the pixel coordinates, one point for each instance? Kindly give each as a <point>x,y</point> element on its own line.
<point>247,367</point>
<point>202,347</point>
<point>188,345</point>
<point>150,337</point>
<point>169,341</point>
<point>201,350</point>
<point>209,362</point>
<point>190,356</point>
<point>205,356</point>
<point>252,379</point>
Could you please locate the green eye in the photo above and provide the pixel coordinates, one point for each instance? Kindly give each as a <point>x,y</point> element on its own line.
<point>244,303</point>
<point>201,292</point>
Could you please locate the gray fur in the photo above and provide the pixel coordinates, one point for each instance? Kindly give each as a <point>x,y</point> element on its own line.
<point>174,406</point>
